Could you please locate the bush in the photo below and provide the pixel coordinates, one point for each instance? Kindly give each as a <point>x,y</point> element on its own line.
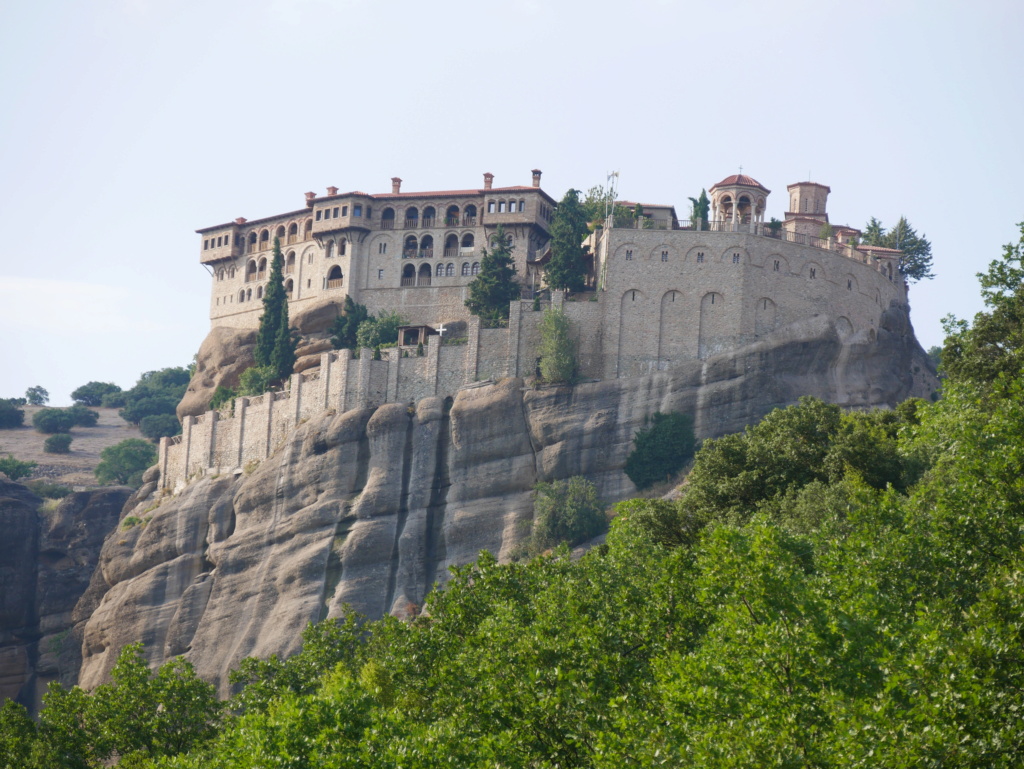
<point>137,410</point>
<point>566,511</point>
<point>10,415</point>
<point>114,400</point>
<point>48,490</point>
<point>59,443</point>
<point>158,426</point>
<point>661,450</point>
<point>15,468</point>
<point>53,420</point>
<point>557,349</point>
<point>374,332</point>
<point>221,396</point>
<point>125,462</point>
<point>92,393</point>
<point>84,417</point>
<point>256,380</point>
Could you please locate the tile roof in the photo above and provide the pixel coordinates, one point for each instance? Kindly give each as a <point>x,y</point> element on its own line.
<point>741,180</point>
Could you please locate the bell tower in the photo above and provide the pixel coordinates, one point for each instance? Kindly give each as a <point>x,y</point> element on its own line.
<point>807,204</point>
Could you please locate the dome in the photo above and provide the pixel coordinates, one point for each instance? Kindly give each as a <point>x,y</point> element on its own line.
<point>740,180</point>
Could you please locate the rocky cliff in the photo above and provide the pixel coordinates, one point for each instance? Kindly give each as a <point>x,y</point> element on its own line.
<point>369,508</point>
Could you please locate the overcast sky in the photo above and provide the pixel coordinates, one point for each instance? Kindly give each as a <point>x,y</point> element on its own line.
<point>125,125</point>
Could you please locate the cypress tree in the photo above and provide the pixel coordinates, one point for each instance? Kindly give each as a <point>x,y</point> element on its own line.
<point>495,286</point>
<point>567,269</point>
<point>274,345</point>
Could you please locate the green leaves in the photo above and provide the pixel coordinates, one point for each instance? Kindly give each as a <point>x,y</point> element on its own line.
<point>557,348</point>
<point>275,347</point>
<point>494,286</point>
<point>567,269</point>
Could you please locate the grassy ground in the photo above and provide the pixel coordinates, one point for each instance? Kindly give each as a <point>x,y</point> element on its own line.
<point>75,468</point>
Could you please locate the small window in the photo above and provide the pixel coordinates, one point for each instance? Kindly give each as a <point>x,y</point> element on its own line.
<point>501,206</point>
<point>813,273</point>
<point>343,247</point>
<point>440,270</point>
<point>310,259</point>
<point>633,297</point>
<point>735,258</point>
<point>380,274</point>
<point>206,244</point>
<point>490,206</point>
<point>849,285</point>
<point>776,268</point>
<point>629,254</point>
<point>522,205</point>
<point>357,210</point>
<point>476,268</point>
<point>382,247</point>
<point>369,212</point>
<point>344,210</point>
<point>335,212</point>
<point>664,256</point>
<point>309,283</point>
<point>511,206</point>
<point>450,271</point>
<point>465,269</point>
<point>700,257</point>
<point>318,215</point>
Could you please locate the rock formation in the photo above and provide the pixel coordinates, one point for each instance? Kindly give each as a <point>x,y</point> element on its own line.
<point>369,508</point>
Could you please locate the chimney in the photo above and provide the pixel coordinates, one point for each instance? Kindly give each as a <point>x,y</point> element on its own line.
<point>310,197</point>
<point>488,181</point>
<point>396,185</point>
<point>331,191</point>
<point>536,177</point>
<point>240,220</point>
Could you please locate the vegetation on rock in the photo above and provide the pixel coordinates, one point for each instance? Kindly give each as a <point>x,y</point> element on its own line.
<point>661,450</point>
<point>10,414</point>
<point>125,462</point>
<point>275,344</point>
<point>557,348</point>
<point>15,468</point>
<point>567,512</point>
<point>375,332</point>
<point>346,326</point>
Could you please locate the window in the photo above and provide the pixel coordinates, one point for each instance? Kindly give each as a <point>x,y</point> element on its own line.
<point>776,268</point>
<point>440,270</point>
<point>700,257</point>
<point>522,205</point>
<point>382,247</point>
<point>735,258</point>
<point>511,206</point>
<point>664,256</point>
<point>309,283</point>
<point>380,274</point>
<point>449,271</point>
<point>343,247</point>
<point>629,254</point>
<point>369,212</point>
<point>849,285</point>
<point>476,268</point>
<point>357,210</point>
<point>501,206</point>
<point>344,210</point>
<point>490,206</point>
<point>813,273</point>
<point>206,244</point>
<point>329,251</point>
<point>334,213</point>
<point>310,259</point>
<point>465,269</point>
<point>318,215</point>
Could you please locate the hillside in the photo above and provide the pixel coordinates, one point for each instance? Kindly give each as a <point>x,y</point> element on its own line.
<point>74,469</point>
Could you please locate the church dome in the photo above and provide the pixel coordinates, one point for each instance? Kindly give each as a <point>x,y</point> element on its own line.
<point>740,180</point>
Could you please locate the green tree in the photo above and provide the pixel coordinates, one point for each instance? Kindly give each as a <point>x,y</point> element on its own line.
<point>494,287</point>
<point>17,737</point>
<point>156,392</point>
<point>10,415</point>
<point>37,396</point>
<point>567,269</point>
<point>158,426</point>
<point>566,511</point>
<point>916,260</point>
<point>275,346</point>
<point>53,420</point>
<point>374,332</point>
<point>125,462</point>
<point>826,231</point>
<point>701,208</point>
<point>596,202</point>
<point>15,468</point>
<point>221,396</point>
<point>660,450</point>
<point>60,443</point>
<point>346,325</point>
<point>91,393</point>
<point>557,348</point>
<point>256,380</point>
<point>874,233</point>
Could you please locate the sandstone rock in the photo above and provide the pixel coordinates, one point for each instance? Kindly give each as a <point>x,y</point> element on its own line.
<point>223,356</point>
<point>316,319</point>
<point>313,347</point>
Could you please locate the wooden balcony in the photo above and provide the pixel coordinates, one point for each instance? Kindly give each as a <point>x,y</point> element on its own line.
<point>336,283</point>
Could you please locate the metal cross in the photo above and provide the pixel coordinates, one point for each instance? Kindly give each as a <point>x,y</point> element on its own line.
<point>441,329</point>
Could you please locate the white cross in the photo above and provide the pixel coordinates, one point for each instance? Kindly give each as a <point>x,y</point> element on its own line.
<point>441,329</point>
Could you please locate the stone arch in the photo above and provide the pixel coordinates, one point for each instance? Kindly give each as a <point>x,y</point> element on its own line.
<point>656,253</point>
<point>241,295</point>
<point>475,269</point>
<point>439,272</point>
<point>342,246</point>
<point>465,269</point>
<point>250,270</point>
<point>711,336</point>
<point>412,217</point>
<point>451,244</point>
<point>289,263</point>
<point>469,216</point>
<point>814,271</point>
<point>765,313</point>
<point>693,256</point>
<point>264,239</point>
<point>289,287</point>
<point>632,336</point>
<point>409,275</point>
<point>427,246</point>
<point>259,292</point>
<point>671,328</point>
<point>411,246</point>
<point>449,271</point>
<point>261,268</point>
<point>734,255</point>
<point>308,230</point>
<point>844,329</point>
<point>335,277</point>
<point>429,215</point>
<point>451,216</point>
<point>467,240</point>
<point>423,278</point>
<point>329,249</point>
<point>248,295</point>
<point>293,232</point>
<point>280,232</point>
<point>777,263</point>
<point>387,219</point>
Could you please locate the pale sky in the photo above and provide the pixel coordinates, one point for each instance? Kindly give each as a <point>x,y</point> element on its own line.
<point>125,125</point>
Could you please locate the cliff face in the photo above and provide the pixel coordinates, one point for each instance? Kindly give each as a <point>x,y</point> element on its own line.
<point>370,507</point>
<point>47,559</point>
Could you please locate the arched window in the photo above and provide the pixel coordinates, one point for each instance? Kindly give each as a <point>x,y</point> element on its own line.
<point>252,243</point>
<point>423,279</point>
<point>248,295</point>
<point>293,232</point>
<point>476,268</point>
<point>450,270</point>
<point>264,239</point>
<point>329,249</point>
<point>427,246</point>
<point>411,246</point>
<point>342,246</point>
<point>452,216</point>
<point>259,292</point>
<point>231,272</point>
<point>408,275</point>
<point>261,270</point>
<point>440,270</point>
<point>220,274</point>
<point>280,232</point>
<point>469,216</point>
<point>412,217</point>
<point>309,229</point>
<point>451,245</point>
<point>465,269</point>
<point>289,263</point>
<point>241,295</point>
<point>335,277</point>
<point>288,287</point>
<point>387,219</point>
<point>467,240</point>
<point>429,214</point>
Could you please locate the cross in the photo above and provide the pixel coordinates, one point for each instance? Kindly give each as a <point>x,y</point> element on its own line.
<point>441,329</point>
<point>741,170</point>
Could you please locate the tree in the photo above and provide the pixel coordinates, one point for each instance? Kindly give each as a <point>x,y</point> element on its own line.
<point>157,426</point>
<point>495,286</point>
<point>156,392</point>
<point>15,468</point>
<point>256,380</point>
<point>346,325</point>
<point>661,450</point>
<point>59,443</point>
<point>91,393</point>
<point>567,270</point>
<point>916,260</point>
<point>221,396</point>
<point>125,462</point>
<point>53,420</point>
<point>701,208</point>
<point>566,511</point>
<point>374,332</point>
<point>10,415</point>
<point>37,396</point>
<point>874,233</point>
<point>826,231</point>
<point>275,346</point>
<point>557,348</point>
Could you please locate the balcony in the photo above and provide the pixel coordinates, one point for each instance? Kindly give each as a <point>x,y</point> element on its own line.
<point>261,275</point>
<point>387,224</point>
<point>293,239</point>
<point>452,221</point>
<point>469,221</point>
<point>336,283</point>
<point>428,221</point>
<point>418,253</point>
<point>408,281</point>
<point>451,253</point>
<point>411,224</point>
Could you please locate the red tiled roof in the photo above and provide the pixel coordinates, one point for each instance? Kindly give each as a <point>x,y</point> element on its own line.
<point>741,180</point>
<point>439,193</point>
<point>809,184</point>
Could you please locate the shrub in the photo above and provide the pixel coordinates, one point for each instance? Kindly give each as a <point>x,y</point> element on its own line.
<point>84,417</point>
<point>92,393</point>
<point>557,349</point>
<point>157,426</point>
<point>661,450</point>
<point>60,443</point>
<point>114,400</point>
<point>221,396</point>
<point>15,468</point>
<point>48,490</point>
<point>53,420</point>
<point>256,380</point>
<point>125,462</point>
<point>137,410</point>
<point>10,415</point>
<point>374,332</point>
<point>566,511</point>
